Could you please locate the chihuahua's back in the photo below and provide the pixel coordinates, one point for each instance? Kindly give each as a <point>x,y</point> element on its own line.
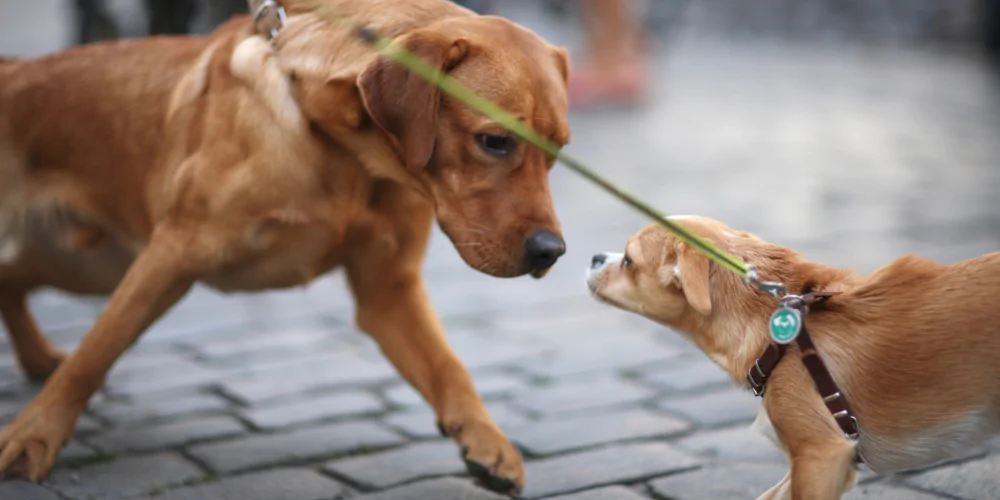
<point>916,349</point>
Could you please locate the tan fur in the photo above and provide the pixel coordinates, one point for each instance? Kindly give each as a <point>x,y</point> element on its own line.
<point>913,347</point>
<point>137,168</point>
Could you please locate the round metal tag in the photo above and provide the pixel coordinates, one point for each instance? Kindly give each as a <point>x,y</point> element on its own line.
<point>785,325</point>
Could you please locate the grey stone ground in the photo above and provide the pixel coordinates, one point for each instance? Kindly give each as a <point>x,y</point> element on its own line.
<point>854,154</point>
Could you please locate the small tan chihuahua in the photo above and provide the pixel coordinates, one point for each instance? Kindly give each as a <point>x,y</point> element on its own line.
<point>914,347</point>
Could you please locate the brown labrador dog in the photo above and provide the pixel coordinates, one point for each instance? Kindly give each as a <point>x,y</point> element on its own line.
<point>138,168</point>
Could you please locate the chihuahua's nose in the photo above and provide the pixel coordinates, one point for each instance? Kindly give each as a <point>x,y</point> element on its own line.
<point>598,260</point>
<point>542,250</point>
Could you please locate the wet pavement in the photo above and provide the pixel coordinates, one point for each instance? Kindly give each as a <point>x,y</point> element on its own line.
<point>853,153</point>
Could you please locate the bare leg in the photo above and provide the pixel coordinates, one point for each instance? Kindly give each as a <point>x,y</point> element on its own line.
<point>613,68</point>
<point>170,17</point>
<point>94,24</point>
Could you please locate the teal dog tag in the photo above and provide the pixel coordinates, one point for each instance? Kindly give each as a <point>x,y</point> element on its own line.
<point>785,325</point>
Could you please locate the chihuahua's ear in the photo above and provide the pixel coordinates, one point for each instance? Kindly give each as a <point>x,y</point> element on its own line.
<point>693,268</point>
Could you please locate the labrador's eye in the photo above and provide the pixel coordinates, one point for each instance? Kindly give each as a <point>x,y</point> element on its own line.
<point>497,145</point>
<point>626,261</point>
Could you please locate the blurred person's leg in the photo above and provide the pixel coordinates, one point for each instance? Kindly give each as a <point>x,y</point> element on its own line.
<point>991,25</point>
<point>477,6</point>
<point>170,17</point>
<point>614,67</point>
<point>221,11</point>
<point>94,24</point>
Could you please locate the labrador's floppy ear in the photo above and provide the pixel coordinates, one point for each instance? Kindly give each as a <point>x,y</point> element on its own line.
<point>694,278</point>
<point>405,105</point>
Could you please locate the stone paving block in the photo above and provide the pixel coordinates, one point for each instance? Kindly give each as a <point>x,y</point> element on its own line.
<point>586,352</point>
<point>169,434</point>
<point>134,361</point>
<point>16,489</point>
<point>969,453</point>
<point>85,424</point>
<point>687,374</point>
<point>88,425</point>
<point>734,443</point>
<point>866,475</point>
<point>609,493</point>
<point>75,452</point>
<point>269,347</point>
<point>267,449</point>
<point>275,484</point>
<point>14,384</point>
<point>124,477</point>
<point>10,406</point>
<point>567,433</point>
<point>714,409</point>
<point>581,394</point>
<point>121,412</point>
<point>731,481</point>
<point>478,353</point>
<point>489,386</point>
<point>422,424</point>
<point>606,466</point>
<point>994,444</point>
<point>400,465</point>
<point>247,344</point>
<point>888,492</point>
<point>968,480</point>
<point>309,408</point>
<point>170,376</point>
<point>557,318</point>
<point>288,379</point>
<point>445,488</point>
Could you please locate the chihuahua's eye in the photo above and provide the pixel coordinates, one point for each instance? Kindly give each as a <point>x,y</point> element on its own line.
<point>497,145</point>
<point>626,261</point>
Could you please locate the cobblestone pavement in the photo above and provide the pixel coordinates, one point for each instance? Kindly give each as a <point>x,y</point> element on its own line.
<point>852,154</point>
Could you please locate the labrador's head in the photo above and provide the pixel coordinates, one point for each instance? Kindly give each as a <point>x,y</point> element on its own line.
<point>490,189</point>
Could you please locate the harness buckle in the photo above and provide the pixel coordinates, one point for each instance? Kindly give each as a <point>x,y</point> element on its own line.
<point>774,289</point>
<point>853,431</point>
<point>755,386</point>
<point>277,22</point>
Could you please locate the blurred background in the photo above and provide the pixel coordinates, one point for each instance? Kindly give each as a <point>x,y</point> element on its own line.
<point>853,130</point>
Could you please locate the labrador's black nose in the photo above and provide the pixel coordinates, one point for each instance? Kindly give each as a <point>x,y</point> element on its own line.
<point>542,250</point>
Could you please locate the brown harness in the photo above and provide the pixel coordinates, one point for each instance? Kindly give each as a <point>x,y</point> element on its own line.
<point>835,402</point>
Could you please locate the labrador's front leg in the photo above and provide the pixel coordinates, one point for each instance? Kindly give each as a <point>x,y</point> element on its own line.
<point>393,307</point>
<point>154,282</point>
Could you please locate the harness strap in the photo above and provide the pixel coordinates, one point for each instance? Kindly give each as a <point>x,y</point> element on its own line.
<point>834,400</point>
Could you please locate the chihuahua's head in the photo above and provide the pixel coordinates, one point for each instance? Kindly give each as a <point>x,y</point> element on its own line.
<point>664,279</point>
